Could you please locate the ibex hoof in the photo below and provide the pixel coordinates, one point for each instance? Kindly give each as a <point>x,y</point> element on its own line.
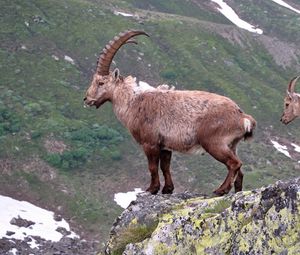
<point>167,190</point>
<point>220,193</point>
<point>153,190</point>
<point>238,189</point>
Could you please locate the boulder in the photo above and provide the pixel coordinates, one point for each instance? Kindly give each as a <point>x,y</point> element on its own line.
<point>261,221</point>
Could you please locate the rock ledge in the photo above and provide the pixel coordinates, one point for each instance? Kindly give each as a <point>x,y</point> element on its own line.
<point>262,221</point>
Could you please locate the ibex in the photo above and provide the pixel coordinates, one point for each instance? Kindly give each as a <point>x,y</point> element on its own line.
<point>291,103</point>
<point>166,120</point>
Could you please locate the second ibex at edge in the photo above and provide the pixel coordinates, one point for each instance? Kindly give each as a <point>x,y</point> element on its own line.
<point>291,103</point>
<point>163,120</point>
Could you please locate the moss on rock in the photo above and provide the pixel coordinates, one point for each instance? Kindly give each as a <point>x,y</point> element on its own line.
<point>263,221</point>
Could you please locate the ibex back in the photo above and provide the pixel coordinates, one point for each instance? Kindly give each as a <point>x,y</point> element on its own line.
<point>163,120</point>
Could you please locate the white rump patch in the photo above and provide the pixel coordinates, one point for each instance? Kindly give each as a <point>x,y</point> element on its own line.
<point>247,125</point>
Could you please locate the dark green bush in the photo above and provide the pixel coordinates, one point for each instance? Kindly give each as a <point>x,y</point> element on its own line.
<point>54,160</point>
<point>68,160</point>
<point>33,108</point>
<point>10,122</point>
<point>96,136</point>
<point>36,134</point>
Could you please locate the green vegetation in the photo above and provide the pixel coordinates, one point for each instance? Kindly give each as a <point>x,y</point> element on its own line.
<point>219,206</point>
<point>84,141</point>
<point>133,234</point>
<point>41,109</point>
<point>186,8</point>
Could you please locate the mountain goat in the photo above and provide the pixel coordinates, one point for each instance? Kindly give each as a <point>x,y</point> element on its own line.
<point>165,120</point>
<point>291,103</point>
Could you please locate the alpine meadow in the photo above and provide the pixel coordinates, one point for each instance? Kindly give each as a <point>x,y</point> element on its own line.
<point>71,160</point>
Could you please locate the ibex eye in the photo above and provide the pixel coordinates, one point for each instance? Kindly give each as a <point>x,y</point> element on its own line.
<point>101,83</point>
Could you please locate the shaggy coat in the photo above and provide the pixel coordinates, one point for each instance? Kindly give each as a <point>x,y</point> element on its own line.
<point>291,103</point>
<point>163,120</point>
<point>179,120</point>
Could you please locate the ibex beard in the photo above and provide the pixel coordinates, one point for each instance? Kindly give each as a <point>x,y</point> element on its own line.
<point>164,120</point>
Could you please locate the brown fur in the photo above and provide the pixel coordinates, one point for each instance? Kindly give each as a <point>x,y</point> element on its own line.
<point>291,103</point>
<point>162,121</point>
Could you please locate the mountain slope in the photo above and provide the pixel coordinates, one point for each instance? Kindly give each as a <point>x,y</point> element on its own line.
<point>58,154</point>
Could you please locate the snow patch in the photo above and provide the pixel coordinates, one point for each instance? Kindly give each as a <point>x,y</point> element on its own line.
<point>230,14</point>
<point>55,57</point>
<point>123,14</point>
<point>281,148</point>
<point>69,59</point>
<point>296,147</point>
<point>124,199</point>
<point>44,224</point>
<point>284,4</point>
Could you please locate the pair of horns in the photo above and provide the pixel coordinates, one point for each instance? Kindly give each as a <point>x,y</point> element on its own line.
<point>292,84</point>
<point>112,47</point>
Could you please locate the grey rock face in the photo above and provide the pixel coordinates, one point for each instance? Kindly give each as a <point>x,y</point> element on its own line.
<point>262,221</point>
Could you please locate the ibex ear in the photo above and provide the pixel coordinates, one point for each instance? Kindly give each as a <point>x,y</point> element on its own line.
<point>289,94</point>
<point>116,74</point>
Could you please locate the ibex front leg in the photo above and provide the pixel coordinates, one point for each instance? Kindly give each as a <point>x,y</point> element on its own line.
<point>152,153</point>
<point>165,162</point>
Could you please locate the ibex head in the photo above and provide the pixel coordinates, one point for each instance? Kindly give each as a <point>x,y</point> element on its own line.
<point>291,103</point>
<point>104,81</point>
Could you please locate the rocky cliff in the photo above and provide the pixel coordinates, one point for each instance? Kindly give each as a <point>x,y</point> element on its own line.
<point>261,221</point>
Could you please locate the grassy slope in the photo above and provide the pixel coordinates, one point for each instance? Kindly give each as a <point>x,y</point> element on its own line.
<point>41,98</point>
<point>276,20</point>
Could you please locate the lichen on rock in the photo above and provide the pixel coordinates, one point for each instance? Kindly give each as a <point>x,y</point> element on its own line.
<point>262,221</point>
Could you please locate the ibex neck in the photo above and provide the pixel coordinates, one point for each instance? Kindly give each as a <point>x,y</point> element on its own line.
<point>122,98</point>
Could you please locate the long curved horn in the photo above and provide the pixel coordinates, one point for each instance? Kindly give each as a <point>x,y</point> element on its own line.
<point>291,86</point>
<point>112,47</point>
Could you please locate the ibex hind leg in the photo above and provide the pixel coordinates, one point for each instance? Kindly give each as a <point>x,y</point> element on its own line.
<point>165,163</point>
<point>238,184</point>
<point>233,166</point>
<point>227,156</point>
<point>152,153</point>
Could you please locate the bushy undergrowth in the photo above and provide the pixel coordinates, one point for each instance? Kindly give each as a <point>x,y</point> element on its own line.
<point>41,93</point>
